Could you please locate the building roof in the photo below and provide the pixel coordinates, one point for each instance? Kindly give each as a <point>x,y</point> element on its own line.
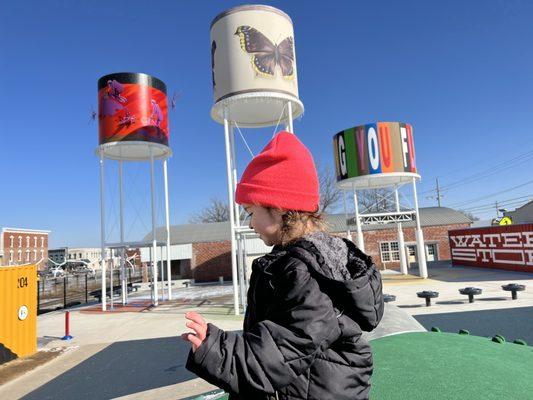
<point>522,215</point>
<point>22,230</point>
<point>219,231</point>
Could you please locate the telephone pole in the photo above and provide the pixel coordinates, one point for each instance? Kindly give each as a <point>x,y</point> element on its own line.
<point>438,192</point>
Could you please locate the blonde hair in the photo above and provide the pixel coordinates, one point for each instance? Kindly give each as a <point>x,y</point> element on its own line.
<point>296,224</point>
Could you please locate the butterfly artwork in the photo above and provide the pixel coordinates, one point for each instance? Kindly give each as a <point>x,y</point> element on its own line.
<point>266,55</point>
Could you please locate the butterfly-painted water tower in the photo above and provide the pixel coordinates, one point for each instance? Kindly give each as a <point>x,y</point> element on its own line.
<point>380,155</point>
<point>254,76</point>
<point>133,126</point>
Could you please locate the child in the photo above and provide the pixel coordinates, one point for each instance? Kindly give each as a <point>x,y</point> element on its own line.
<point>309,299</point>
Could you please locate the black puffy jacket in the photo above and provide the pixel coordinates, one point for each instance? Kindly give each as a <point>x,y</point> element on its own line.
<point>308,303</point>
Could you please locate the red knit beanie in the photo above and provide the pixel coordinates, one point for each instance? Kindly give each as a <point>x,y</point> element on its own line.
<point>283,175</point>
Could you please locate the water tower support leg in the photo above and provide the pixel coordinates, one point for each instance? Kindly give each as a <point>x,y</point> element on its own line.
<point>229,165</point>
<point>102,230</point>
<point>167,223</point>
<point>154,222</point>
<point>401,240</point>
<point>421,248</point>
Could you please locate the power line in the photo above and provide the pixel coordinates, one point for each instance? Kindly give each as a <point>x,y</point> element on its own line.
<point>459,204</point>
<point>490,206</point>
<point>486,173</point>
<point>507,164</point>
<point>514,200</point>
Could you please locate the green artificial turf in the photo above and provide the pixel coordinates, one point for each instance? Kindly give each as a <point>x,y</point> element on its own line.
<point>431,365</point>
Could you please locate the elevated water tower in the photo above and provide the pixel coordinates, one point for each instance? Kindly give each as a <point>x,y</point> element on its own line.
<point>133,126</point>
<point>380,155</point>
<point>255,85</point>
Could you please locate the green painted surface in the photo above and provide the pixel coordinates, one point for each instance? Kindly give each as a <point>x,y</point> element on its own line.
<point>427,365</point>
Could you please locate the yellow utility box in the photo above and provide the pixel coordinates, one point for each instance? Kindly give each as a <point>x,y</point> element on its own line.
<point>18,312</point>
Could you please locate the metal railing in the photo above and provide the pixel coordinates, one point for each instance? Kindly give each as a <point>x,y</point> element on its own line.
<point>71,289</point>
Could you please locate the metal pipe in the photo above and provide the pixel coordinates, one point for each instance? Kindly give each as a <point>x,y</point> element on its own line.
<point>401,240</point>
<point>348,233</point>
<point>240,249</point>
<point>421,248</point>
<point>289,126</point>
<point>102,229</point>
<point>154,239</point>
<point>229,164</point>
<point>360,237</point>
<point>111,271</point>
<point>122,250</point>
<point>234,174</point>
<point>167,223</point>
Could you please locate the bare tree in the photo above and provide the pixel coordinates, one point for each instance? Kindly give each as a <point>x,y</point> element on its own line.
<point>216,211</point>
<point>330,195</point>
<point>376,200</point>
<point>469,215</point>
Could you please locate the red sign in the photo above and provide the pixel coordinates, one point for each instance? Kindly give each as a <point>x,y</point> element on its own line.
<point>504,247</point>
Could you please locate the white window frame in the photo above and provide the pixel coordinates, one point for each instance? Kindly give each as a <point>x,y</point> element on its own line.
<point>42,241</point>
<point>27,241</point>
<point>35,241</point>
<point>34,255</point>
<point>27,255</point>
<point>387,253</point>
<point>11,240</point>
<point>20,255</point>
<point>20,241</point>
<point>10,256</point>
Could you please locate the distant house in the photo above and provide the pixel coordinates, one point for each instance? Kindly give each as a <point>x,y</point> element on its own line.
<point>203,251</point>
<point>90,255</point>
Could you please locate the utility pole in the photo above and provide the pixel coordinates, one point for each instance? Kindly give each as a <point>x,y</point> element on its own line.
<point>438,191</point>
<point>497,210</point>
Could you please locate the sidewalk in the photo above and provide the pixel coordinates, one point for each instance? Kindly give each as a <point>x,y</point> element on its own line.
<point>136,355</point>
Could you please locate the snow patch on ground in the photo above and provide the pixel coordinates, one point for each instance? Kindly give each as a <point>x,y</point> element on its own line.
<point>192,293</point>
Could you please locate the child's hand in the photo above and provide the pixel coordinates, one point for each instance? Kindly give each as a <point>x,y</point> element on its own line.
<point>199,326</point>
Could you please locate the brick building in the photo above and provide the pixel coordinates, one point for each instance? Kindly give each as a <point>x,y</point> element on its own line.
<point>203,251</point>
<point>90,255</point>
<point>24,246</point>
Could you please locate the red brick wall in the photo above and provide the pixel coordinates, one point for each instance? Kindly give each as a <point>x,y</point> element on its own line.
<point>24,246</point>
<point>432,234</point>
<point>211,260</point>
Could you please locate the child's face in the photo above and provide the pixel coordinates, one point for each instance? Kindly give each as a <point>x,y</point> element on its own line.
<point>266,222</point>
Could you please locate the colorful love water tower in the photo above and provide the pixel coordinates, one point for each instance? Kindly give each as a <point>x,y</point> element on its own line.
<point>380,155</point>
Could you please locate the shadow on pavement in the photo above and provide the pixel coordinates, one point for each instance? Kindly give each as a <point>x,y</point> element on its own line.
<point>511,323</point>
<point>120,369</point>
<point>443,271</point>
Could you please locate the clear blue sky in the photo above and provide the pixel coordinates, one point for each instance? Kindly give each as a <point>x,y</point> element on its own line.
<point>459,71</point>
